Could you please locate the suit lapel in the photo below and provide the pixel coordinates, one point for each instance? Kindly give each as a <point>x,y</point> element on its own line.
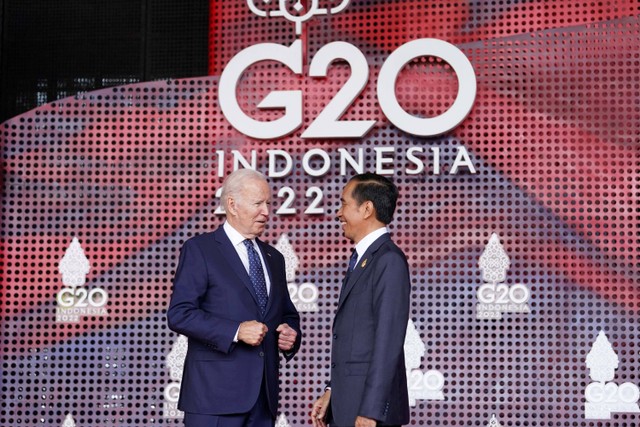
<point>365,262</point>
<point>231,255</point>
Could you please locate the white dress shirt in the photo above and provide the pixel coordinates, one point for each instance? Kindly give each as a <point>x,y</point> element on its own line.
<point>237,240</point>
<point>364,244</point>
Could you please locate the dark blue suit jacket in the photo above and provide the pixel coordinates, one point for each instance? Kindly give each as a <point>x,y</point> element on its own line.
<point>368,373</point>
<point>212,295</point>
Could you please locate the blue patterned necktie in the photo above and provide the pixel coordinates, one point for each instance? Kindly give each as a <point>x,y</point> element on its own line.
<point>256,273</point>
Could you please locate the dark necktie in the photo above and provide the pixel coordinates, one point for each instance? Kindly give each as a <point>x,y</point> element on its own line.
<point>352,264</point>
<point>256,273</point>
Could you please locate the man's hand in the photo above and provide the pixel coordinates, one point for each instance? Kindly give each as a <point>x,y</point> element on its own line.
<point>252,332</point>
<point>319,410</point>
<point>365,422</point>
<point>286,337</point>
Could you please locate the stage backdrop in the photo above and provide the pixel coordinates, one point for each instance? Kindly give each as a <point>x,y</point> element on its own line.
<point>518,212</point>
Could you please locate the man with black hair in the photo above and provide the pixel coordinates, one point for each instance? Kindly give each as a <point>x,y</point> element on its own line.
<point>368,385</point>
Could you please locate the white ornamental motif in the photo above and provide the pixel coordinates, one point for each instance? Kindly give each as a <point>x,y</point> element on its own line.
<point>494,261</point>
<point>494,296</point>
<point>493,422</point>
<point>74,265</point>
<point>414,347</point>
<point>603,396</point>
<point>299,14</point>
<point>291,260</point>
<point>420,385</point>
<point>282,421</point>
<point>304,296</point>
<point>175,358</point>
<point>68,421</point>
<point>602,360</point>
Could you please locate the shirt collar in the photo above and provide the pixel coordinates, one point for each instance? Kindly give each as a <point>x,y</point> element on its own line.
<point>233,234</point>
<point>364,244</point>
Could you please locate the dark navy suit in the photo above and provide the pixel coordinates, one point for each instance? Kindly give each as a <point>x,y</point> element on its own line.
<point>212,295</point>
<point>368,374</point>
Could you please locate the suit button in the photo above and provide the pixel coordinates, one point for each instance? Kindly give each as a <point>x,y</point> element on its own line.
<point>261,354</point>
<point>333,365</point>
<point>335,336</point>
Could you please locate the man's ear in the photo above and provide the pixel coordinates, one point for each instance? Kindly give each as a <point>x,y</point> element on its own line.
<point>369,210</point>
<point>231,208</point>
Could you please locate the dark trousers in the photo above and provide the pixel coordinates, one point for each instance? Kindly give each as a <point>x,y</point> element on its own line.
<point>258,416</point>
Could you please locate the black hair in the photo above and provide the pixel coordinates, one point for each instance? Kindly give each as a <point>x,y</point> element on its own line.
<point>378,190</point>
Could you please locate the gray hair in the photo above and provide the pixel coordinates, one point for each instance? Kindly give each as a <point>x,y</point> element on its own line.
<point>236,181</point>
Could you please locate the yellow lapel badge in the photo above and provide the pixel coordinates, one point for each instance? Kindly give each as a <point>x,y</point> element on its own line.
<point>364,263</point>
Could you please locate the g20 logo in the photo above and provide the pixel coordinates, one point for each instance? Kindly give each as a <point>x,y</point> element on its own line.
<point>72,303</point>
<point>81,298</point>
<point>304,296</point>
<point>171,397</point>
<point>431,382</point>
<point>490,293</point>
<point>610,392</point>
<point>328,123</point>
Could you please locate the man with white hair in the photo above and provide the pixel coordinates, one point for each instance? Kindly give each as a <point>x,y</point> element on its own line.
<point>230,299</point>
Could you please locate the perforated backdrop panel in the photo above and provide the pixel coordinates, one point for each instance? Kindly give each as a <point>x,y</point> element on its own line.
<point>552,171</point>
